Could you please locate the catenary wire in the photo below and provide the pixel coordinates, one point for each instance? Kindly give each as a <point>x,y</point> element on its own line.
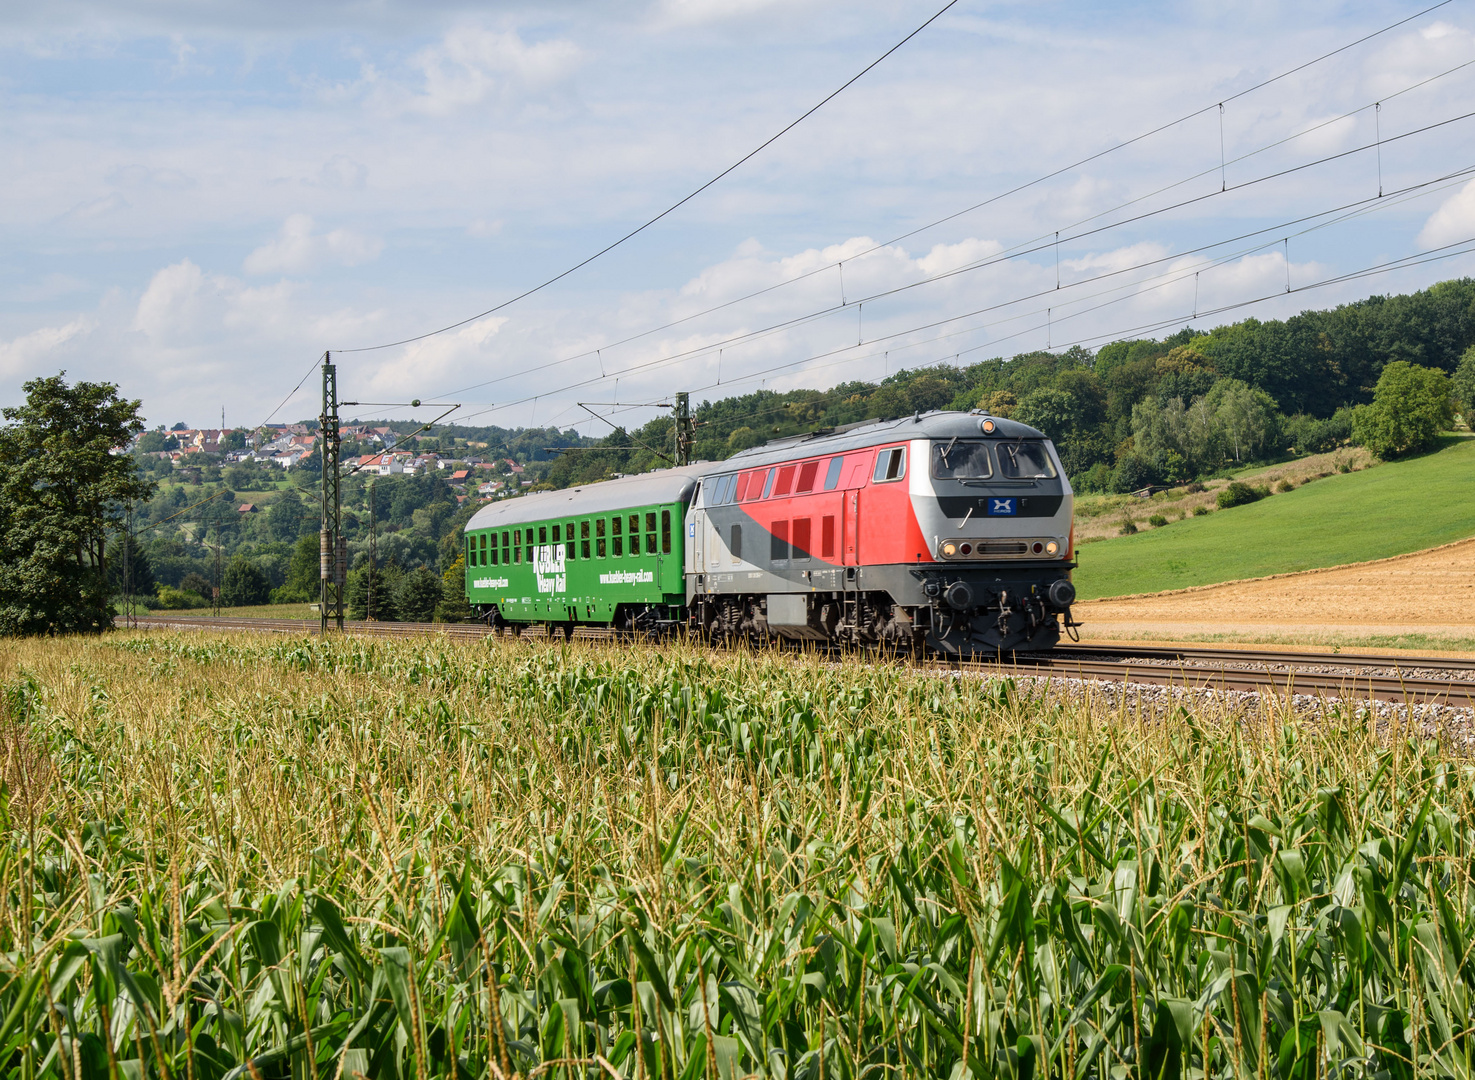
<point>1017,189</point>
<point>679,203</point>
<point>792,323</point>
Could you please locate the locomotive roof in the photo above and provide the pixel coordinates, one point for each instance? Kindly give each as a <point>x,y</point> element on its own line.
<point>661,486</point>
<point>933,425</point>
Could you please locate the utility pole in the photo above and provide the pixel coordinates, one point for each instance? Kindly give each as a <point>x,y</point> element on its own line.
<point>370,611</point>
<point>685,430</point>
<point>332,547</point>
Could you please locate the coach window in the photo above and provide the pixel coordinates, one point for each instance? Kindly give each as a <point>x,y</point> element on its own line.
<point>542,534</point>
<point>832,473</point>
<point>599,543</point>
<point>616,541</point>
<point>517,545</point>
<point>778,545</point>
<point>665,532</point>
<point>735,544</point>
<point>768,486</point>
<point>650,532</point>
<point>568,547</point>
<point>806,478</point>
<point>557,531</point>
<point>785,482</point>
<point>890,465</point>
<point>635,535</point>
<point>584,539</point>
<point>471,551</point>
<point>493,552</point>
<point>800,538</point>
<point>827,537</point>
<point>505,559</point>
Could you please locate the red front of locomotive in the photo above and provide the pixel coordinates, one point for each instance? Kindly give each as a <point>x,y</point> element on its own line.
<point>852,536</point>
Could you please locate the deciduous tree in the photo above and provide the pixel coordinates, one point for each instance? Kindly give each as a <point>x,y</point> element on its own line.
<point>62,487</point>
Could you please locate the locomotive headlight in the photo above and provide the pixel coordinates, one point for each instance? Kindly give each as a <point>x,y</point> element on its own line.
<point>1052,548</point>
<point>949,549</point>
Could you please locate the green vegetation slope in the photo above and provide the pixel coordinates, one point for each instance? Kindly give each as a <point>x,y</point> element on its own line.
<point>1390,510</point>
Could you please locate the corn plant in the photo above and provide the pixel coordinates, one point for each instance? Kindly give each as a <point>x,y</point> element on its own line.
<point>308,859</point>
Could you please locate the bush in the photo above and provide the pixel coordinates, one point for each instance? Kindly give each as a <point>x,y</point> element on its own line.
<point>1132,473</point>
<point>1128,528</point>
<point>1157,521</point>
<point>1238,494</point>
<point>1411,406</point>
<point>1285,485</point>
<point>172,599</point>
<point>1200,511</point>
<point>243,584</point>
<point>196,583</point>
<point>1096,479</point>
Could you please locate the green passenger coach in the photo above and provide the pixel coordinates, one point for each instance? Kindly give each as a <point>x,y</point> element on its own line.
<point>602,554</point>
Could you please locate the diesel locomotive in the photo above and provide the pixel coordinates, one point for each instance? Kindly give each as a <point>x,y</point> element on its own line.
<point>945,531</point>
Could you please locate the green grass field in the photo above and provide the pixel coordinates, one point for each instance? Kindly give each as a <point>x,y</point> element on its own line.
<point>1393,509</point>
<point>260,611</point>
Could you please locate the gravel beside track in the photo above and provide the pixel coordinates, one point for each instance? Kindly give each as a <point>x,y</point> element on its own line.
<point>1422,680</point>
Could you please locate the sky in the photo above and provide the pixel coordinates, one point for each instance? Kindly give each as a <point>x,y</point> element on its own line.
<point>201,198</point>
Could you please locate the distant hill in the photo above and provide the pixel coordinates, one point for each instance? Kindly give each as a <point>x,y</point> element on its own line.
<point>1393,509</point>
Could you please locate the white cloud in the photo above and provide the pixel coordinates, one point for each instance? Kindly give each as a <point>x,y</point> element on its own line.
<point>472,64</point>
<point>297,249</point>
<point>1452,222</point>
<point>26,355</point>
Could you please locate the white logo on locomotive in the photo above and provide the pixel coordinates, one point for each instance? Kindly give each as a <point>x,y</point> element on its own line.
<point>548,566</point>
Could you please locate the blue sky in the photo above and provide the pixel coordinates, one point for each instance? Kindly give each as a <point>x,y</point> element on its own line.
<point>200,198</point>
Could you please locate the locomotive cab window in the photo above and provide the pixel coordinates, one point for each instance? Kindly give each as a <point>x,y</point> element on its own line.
<point>891,464</point>
<point>959,460</point>
<point>832,473</point>
<point>1025,461</point>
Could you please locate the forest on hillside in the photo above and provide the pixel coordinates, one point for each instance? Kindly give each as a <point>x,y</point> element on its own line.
<point>1134,412</point>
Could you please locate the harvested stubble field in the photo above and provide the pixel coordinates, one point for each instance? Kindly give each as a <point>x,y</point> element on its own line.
<point>415,858</point>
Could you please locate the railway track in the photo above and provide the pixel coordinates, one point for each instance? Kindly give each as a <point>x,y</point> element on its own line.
<point>1342,676</point>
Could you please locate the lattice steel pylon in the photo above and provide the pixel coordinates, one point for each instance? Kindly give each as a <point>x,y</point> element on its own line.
<point>685,429</point>
<point>332,546</point>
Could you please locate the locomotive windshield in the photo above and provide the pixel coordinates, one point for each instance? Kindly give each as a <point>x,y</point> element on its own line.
<point>954,459</point>
<point>1024,461</point>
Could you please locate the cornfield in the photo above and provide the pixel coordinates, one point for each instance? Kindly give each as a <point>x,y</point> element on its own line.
<point>232,858</point>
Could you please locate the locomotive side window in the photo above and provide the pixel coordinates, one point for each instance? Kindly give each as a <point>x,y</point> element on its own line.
<point>832,473</point>
<point>583,539</point>
<point>665,532</point>
<point>650,531</point>
<point>755,485</point>
<point>742,488</point>
<point>1025,461</point>
<point>806,477</point>
<point>599,548</point>
<point>778,546</point>
<point>962,460</point>
<point>800,537</point>
<point>827,536</point>
<point>890,465</point>
<point>768,485</point>
<point>735,545</point>
<point>785,482</point>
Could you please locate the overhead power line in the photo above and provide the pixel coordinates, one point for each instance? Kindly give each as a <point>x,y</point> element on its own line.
<point>979,205</point>
<point>680,202</point>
